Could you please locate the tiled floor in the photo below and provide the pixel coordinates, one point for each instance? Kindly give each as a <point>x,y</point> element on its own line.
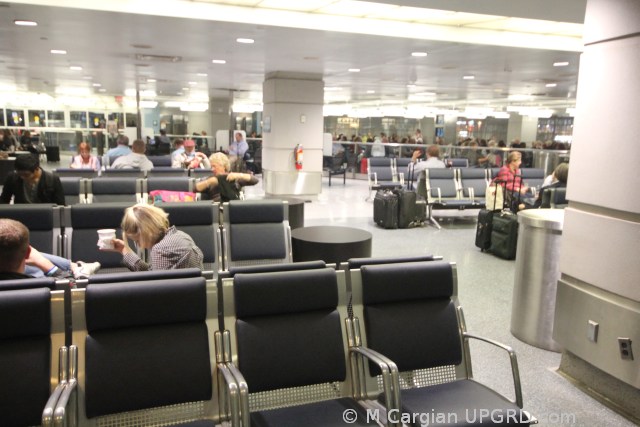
<point>485,285</point>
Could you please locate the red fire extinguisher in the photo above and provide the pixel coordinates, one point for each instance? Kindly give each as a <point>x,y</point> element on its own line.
<point>297,156</point>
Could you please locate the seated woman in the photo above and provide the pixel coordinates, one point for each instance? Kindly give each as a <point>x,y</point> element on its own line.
<point>84,159</point>
<point>224,185</point>
<point>558,180</point>
<point>511,180</point>
<point>169,247</point>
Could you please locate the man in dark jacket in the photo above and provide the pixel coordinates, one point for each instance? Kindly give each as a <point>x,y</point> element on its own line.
<point>29,183</point>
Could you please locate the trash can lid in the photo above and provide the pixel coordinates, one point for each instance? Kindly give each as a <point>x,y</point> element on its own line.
<point>552,219</point>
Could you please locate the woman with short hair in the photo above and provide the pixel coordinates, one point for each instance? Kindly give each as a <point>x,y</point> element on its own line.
<point>224,185</point>
<point>149,227</point>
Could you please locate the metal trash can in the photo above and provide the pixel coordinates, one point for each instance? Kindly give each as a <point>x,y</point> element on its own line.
<point>536,276</point>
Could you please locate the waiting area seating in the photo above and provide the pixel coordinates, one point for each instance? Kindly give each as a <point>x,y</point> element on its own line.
<point>255,232</point>
<point>265,345</point>
<point>44,222</point>
<point>382,174</point>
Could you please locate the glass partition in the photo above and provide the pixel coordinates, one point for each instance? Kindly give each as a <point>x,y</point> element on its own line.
<point>55,119</point>
<point>2,120</point>
<point>96,120</point>
<point>15,117</point>
<point>36,118</point>
<point>78,119</point>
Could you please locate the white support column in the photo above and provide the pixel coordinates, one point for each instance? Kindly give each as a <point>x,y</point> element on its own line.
<point>599,254</point>
<point>292,114</point>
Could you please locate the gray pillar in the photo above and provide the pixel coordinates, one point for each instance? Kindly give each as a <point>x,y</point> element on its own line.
<point>598,301</point>
<point>292,114</point>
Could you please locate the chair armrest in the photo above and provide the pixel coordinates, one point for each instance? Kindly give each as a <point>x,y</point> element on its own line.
<point>514,364</point>
<point>243,388</point>
<point>49,409</point>
<point>375,178</point>
<point>231,392</point>
<point>401,176</point>
<point>60,412</point>
<point>390,376</point>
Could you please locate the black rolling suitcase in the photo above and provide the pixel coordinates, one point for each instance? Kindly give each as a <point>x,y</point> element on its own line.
<point>504,235</point>
<point>485,221</point>
<point>53,153</point>
<point>385,209</point>
<point>407,209</point>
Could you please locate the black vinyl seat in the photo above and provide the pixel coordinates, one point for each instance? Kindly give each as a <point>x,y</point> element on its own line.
<point>287,346</point>
<point>444,192</point>
<point>153,361</point>
<point>382,175</point>
<point>82,223</point>
<point>32,355</point>
<point>75,173</point>
<point>114,189</point>
<point>411,315</point>
<point>256,232</point>
<point>200,220</point>
<point>473,182</point>
<point>75,189</point>
<point>555,198</point>
<point>44,222</point>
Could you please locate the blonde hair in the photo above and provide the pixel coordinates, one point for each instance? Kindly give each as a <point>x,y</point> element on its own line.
<point>513,156</point>
<point>221,159</point>
<point>149,222</point>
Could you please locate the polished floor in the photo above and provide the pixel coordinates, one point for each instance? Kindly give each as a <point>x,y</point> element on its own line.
<point>485,285</point>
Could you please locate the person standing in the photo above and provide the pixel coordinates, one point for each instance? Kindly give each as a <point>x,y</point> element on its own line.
<point>29,183</point>
<point>237,150</point>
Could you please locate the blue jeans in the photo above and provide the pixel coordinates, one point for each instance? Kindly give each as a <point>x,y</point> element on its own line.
<point>61,263</point>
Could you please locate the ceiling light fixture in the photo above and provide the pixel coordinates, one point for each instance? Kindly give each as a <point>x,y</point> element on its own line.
<point>193,83</point>
<point>96,85</point>
<point>219,61</point>
<point>419,54</point>
<point>58,52</point>
<point>560,64</point>
<point>371,91</point>
<point>468,77</point>
<point>551,85</point>
<point>75,68</point>
<point>354,70</point>
<point>202,74</point>
<point>151,80</point>
<point>245,41</point>
<point>102,90</point>
<point>25,23</point>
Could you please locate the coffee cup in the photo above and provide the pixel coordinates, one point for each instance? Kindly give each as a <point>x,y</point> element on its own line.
<point>105,238</point>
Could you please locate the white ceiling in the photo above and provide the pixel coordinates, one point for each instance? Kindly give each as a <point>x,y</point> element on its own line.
<point>105,44</point>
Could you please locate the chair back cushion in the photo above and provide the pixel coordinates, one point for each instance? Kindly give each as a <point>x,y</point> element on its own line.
<point>288,329</point>
<point>25,355</point>
<point>150,339</point>
<point>40,282</point>
<point>257,241</point>
<point>409,314</point>
<point>199,220</point>
<point>255,211</point>
<point>39,219</point>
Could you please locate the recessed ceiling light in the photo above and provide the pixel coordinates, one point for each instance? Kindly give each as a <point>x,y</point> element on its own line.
<point>102,90</point>
<point>193,83</point>
<point>75,68</point>
<point>560,64</point>
<point>96,85</point>
<point>419,54</point>
<point>25,23</point>
<point>468,77</point>
<point>354,70</point>
<point>178,93</point>
<point>411,86</point>
<point>245,41</point>
<point>87,77</point>
<point>151,80</point>
<point>219,61</point>
<point>185,88</point>
<point>551,85</point>
<point>58,52</point>
<point>202,74</point>
<point>371,91</point>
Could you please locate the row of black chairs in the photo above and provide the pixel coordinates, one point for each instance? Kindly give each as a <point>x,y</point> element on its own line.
<point>132,172</point>
<point>246,232</point>
<point>122,189</point>
<point>271,347</point>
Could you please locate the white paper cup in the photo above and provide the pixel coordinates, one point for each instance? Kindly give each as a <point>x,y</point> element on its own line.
<point>105,238</point>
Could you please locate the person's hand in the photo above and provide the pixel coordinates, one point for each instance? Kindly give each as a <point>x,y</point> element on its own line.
<point>119,246</point>
<point>416,154</point>
<point>524,189</point>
